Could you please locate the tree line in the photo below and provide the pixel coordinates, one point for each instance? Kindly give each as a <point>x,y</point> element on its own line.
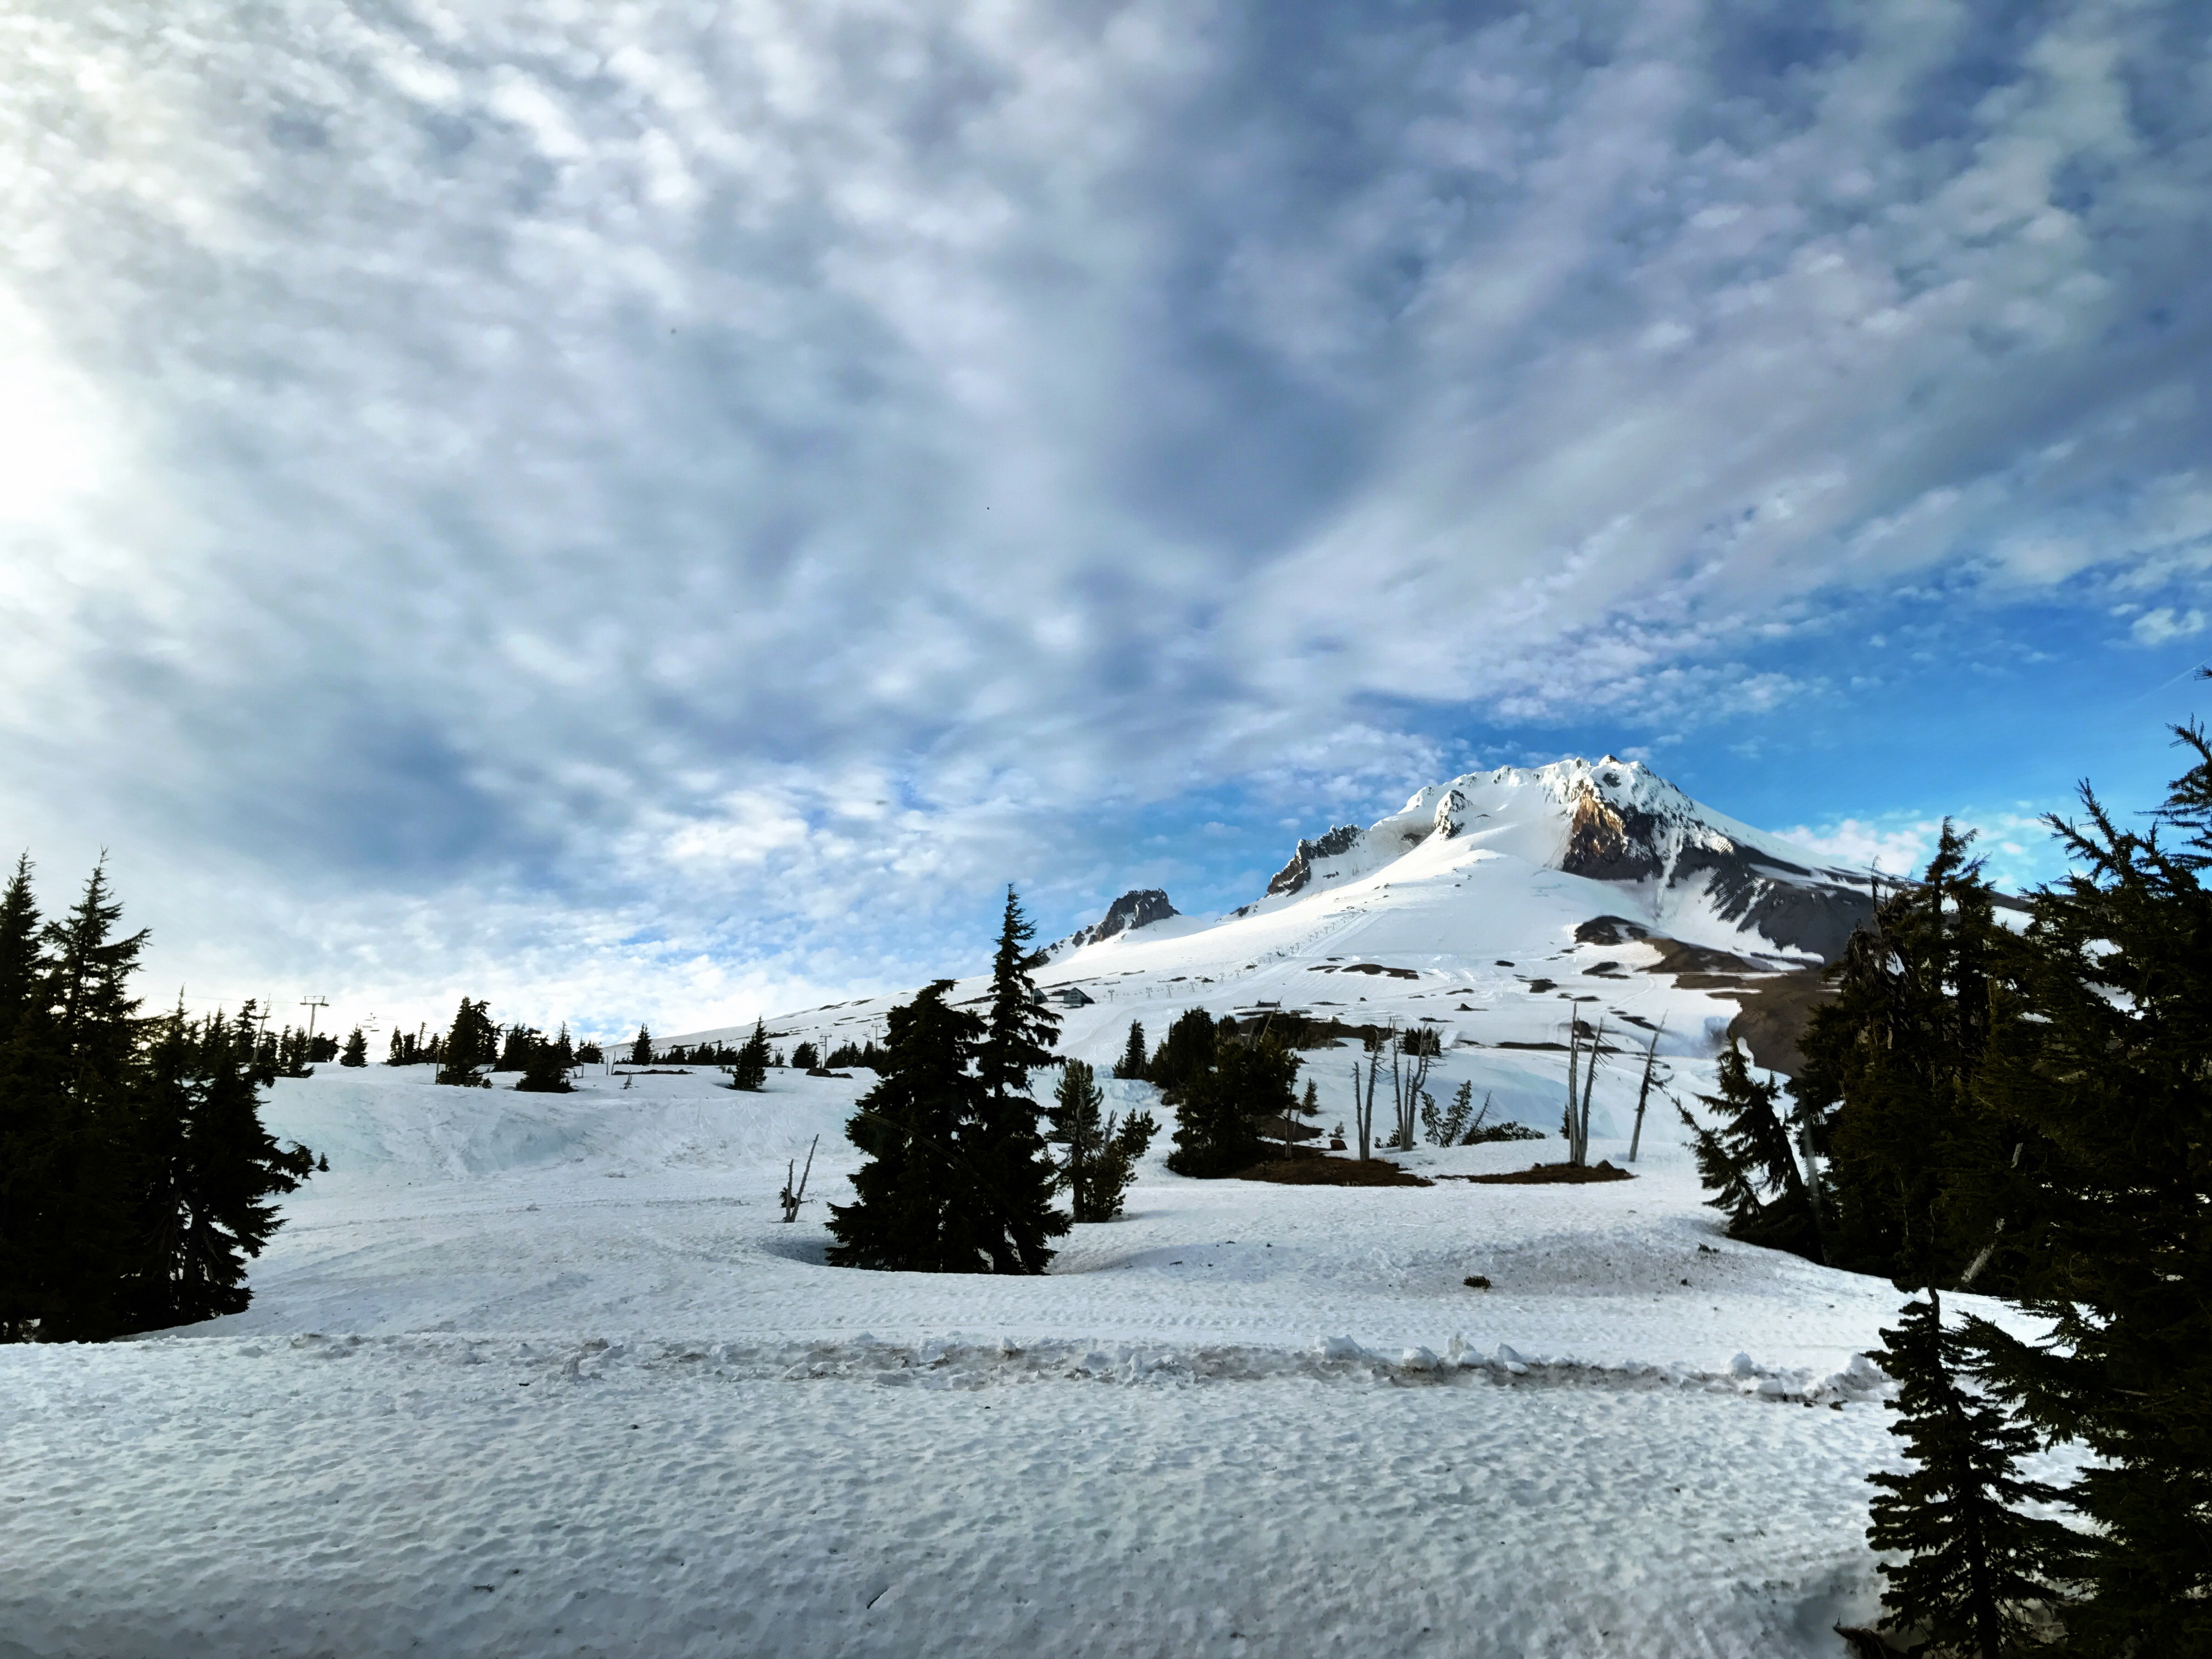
<point>135,1177</point>
<point>2025,1111</point>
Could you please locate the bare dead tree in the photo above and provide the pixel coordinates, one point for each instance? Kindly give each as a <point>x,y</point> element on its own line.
<point>792,1198</point>
<point>1574,1064</point>
<point>1644,1089</point>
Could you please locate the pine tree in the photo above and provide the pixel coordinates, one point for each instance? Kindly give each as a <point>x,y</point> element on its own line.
<point>1974,1562</point>
<point>521,1041</point>
<point>467,1052</point>
<point>913,1192</point>
<point>1889,1078</point>
<point>356,1052</point>
<point>1131,1066</point>
<point>1747,1164</point>
<point>545,1070</point>
<point>2099,1069</point>
<point>641,1047</point>
<point>564,1050</point>
<point>806,1057</point>
<point>749,1072</point>
<point>204,1170</point>
<point>396,1051</point>
<point>1096,1166</point>
<point>1187,1051</point>
<point>1218,1123</point>
<point>1014,1178</point>
<point>30,1115</point>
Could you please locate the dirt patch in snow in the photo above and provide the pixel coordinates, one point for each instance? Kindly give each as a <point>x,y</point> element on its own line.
<point>1317,1170</point>
<point>1552,1175</point>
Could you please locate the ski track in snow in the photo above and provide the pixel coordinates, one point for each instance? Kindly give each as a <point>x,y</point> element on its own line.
<point>545,1375</point>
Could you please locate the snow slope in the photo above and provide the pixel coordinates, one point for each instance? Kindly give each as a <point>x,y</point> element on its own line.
<point>545,1375</point>
<point>1495,908</point>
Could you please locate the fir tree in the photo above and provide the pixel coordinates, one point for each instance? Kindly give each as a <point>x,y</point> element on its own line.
<point>2099,1069</point>
<point>641,1047</point>
<point>1747,1164</point>
<point>356,1052</point>
<point>1005,1154</point>
<point>396,1051</point>
<point>1187,1051</point>
<point>1889,1078</point>
<point>806,1057</point>
<point>749,1072</point>
<point>204,1170</point>
<point>521,1041</point>
<point>564,1050</point>
<point>30,1115</point>
<point>1218,1123</point>
<point>1974,1562</point>
<point>913,1192</point>
<point>1094,1166</point>
<point>467,1052</point>
<point>545,1072</point>
<point>1131,1066</point>
<point>590,1053</point>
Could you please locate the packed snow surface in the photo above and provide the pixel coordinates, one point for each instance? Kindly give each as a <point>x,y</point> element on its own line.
<point>535,1374</point>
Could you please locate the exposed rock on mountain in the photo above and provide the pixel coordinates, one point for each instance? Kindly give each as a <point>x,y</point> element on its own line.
<point>1293,876</point>
<point>1140,906</point>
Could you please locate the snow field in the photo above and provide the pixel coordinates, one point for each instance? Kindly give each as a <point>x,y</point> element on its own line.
<point>537,1375</point>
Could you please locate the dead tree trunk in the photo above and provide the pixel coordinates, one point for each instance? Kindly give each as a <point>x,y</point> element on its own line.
<point>792,1197</point>
<point>1644,1092</point>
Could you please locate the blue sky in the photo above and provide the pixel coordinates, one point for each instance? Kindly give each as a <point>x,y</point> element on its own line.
<point>658,511</point>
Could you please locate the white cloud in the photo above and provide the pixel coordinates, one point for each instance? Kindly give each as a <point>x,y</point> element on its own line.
<point>531,461</point>
<point>2165,624</point>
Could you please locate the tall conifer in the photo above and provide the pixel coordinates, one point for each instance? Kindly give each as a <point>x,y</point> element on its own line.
<point>1747,1164</point>
<point>1975,1562</point>
<point>1005,1154</point>
<point>913,1194</point>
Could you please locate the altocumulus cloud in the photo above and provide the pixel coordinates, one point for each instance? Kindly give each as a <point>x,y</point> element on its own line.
<point>569,500</point>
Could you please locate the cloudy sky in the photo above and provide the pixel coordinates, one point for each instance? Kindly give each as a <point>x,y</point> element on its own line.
<point>658,510</point>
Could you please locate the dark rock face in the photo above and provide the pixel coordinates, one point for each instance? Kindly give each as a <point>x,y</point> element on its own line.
<point>1293,876</point>
<point>1610,930</point>
<point>1789,904</point>
<point>1138,908</point>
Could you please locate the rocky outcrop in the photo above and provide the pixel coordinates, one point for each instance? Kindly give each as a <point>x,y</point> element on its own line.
<point>1293,876</point>
<point>1139,908</point>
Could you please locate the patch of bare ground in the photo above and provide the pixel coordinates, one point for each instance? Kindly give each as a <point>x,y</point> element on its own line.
<point>1552,1175</point>
<point>1310,1169</point>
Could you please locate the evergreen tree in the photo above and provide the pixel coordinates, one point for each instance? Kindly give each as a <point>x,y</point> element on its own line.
<point>467,1052</point>
<point>356,1049</point>
<point>1187,1051</point>
<point>1095,1166</point>
<point>2100,1068</point>
<point>749,1072</point>
<point>1217,1125</point>
<point>1747,1164</point>
<point>521,1041</point>
<point>1014,1178</point>
<point>591,1053</point>
<point>641,1047</point>
<point>545,1072</point>
<point>1973,1560</point>
<point>30,1116</point>
<point>396,1052</point>
<point>915,1192</point>
<point>804,1057</point>
<point>564,1050</point>
<point>1889,1078</point>
<point>1131,1066</point>
<point>203,1171</point>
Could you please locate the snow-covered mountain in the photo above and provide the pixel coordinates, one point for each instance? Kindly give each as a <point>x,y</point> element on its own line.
<point>1497,908</point>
